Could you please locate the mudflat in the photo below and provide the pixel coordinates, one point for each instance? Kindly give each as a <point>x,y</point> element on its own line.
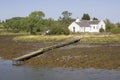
<point>79,55</point>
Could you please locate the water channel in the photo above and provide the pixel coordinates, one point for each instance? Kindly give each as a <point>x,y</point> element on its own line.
<point>10,72</point>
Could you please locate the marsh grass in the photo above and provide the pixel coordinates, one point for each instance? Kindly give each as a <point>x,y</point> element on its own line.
<point>101,39</point>
<point>42,38</point>
<point>6,33</point>
<point>85,38</point>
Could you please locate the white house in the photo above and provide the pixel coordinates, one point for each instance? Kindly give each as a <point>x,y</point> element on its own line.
<point>86,25</point>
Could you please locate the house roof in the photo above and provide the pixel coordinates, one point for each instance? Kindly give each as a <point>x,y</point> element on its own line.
<point>87,23</point>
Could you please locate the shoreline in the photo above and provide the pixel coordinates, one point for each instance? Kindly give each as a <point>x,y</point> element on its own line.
<point>79,55</point>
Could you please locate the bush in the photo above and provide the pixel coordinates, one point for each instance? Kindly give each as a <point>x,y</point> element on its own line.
<point>101,30</point>
<point>115,31</point>
<point>59,30</point>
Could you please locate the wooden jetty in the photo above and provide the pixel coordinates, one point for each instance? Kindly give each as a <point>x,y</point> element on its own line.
<point>25,57</point>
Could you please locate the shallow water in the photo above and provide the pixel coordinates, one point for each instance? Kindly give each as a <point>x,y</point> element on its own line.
<point>10,72</point>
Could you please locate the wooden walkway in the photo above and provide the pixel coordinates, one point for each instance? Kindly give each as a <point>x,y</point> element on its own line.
<point>20,59</point>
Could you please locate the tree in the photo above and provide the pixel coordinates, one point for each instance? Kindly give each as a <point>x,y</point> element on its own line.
<point>115,30</point>
<point>34,18</point>
<point>66,18</point>
<point>59,30</point>
<point>37,15</point>
<point>13,24</point>
<point>66,14</point>
<point>95,18</point>
<point>109,25</point>
<point>86,17</point>
<point>118,25</point>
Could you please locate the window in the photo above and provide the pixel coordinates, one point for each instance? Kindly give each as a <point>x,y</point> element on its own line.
<point>101,25</point>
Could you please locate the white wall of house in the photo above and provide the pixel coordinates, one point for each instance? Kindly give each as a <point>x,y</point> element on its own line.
<point>82,29</point>
<point>74,27</point>
<point>101,24</point>
<point>87,29</point>
<point>94,28</point>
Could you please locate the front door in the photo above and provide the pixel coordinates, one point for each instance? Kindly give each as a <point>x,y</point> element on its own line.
<point>73,29</point>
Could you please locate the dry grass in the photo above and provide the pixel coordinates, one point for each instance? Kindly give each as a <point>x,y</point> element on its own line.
<point>100,38</point>
<point>39,38</point>
<point>85,38</point>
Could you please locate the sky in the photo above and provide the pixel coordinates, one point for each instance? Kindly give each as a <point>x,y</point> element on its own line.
<point>101,9</point>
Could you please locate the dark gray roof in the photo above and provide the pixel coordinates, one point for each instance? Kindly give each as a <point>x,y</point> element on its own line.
<point>94,22</point>
<point>87,23</point>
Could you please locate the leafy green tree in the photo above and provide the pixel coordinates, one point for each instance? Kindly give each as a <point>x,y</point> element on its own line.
<point>109,25</point>
<point>37,15</point>
<point>116,30</point>
<point>118,25</point>
<point>86,17</point>
<point>35,22</point>
<point>34,18</point>
<point>0,22</point>
<point>95,18</point>
<point>66,14</point>
<point>66,18</point>
<point>13,24</point>
<point>59,30</point>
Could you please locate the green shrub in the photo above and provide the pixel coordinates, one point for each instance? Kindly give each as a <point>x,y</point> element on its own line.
<point>115,31</point>
<point>101,30</point>
<point>59,31</point>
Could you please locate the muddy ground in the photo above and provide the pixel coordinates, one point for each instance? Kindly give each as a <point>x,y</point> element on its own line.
<point>78,55</point>
<point>10,49</point>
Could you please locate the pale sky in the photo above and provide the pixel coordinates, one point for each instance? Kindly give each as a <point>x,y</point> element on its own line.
<point>102,9</point>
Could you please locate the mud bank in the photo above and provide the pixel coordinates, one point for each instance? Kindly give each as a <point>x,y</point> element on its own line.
<point>101,56</point>
<point>79,55</point>
<point>10,49</point>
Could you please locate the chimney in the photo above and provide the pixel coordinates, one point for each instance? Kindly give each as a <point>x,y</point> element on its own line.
<point>77,20</point>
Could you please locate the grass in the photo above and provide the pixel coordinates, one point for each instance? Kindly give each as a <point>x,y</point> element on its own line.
<point>85,38</point>
<point>107,39</point>
<point>100,38</point>
<point>3,32</point>
<point>41,38</point>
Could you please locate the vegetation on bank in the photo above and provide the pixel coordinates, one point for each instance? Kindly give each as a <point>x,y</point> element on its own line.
<point>85,38</point>
<point>101,38</point>
<point>42,38</point>
<point>11,33</point>
<point>36,23</point>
